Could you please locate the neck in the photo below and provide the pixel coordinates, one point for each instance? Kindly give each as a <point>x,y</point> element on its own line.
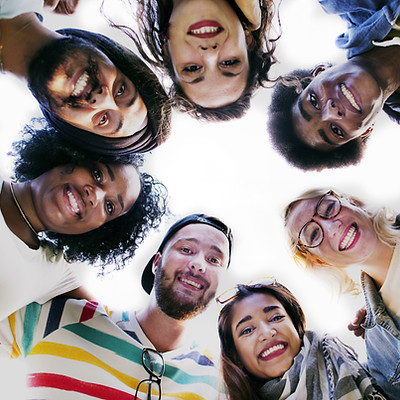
<point>12,215</point>
<point>164,332</point>
<point>20,39</point>
<point>383,64</point>
<point>377,265</point>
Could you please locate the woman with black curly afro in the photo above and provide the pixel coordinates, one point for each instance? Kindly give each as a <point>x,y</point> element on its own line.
<point>69,204</point>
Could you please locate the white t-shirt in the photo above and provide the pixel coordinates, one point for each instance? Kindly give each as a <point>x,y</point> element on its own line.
<point>13,8</point>
<point>390,288</point>
<point>28,275</point>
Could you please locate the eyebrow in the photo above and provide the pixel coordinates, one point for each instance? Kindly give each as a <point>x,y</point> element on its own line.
<point>249,317</point>
<point>303,112</point>
<point>325,138</point>
<point>121,202</point>
<point>110,172</point>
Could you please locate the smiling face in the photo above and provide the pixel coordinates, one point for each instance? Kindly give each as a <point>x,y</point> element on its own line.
<point>208,49</point>
<point>188,270</point>
<point>264,335</point>
<point>74,200</point>
<point>88,91</point>
<point>337,106</point>
<point>348,238</point>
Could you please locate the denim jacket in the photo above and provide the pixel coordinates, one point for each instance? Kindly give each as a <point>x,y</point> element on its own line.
<point>367,20</point>
<point>382,340</point>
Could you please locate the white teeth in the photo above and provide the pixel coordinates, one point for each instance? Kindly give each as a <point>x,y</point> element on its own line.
<point>205,29</point>
<point>191,283</point>
<point>73,202</point>
<point>349,96</point>
<point>349,238</point>
<point>80,84</point>
<point>271,350</point>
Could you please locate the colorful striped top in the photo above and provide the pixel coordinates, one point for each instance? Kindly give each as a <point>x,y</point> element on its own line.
<point>75,351</point>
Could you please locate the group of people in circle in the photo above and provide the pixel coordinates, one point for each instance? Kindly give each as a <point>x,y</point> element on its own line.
<point>79,194</point>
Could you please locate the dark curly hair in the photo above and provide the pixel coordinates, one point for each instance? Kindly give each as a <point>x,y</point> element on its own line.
<point>284,139</point>
<point>238,382</point>
<point>41,148</point>
<point>153,17</point>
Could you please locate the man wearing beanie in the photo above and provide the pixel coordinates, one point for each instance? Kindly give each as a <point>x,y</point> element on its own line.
<point>74,348</point>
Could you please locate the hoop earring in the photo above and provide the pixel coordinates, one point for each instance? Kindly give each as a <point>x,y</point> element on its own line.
<point>367,132</point>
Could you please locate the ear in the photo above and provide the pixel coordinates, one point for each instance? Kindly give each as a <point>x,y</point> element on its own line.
<point>156,262</point>
<point>318,69</point>
<point>165,51</point>
<point>364,135</point>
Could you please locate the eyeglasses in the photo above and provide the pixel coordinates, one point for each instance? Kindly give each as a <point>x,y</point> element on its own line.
<point>154,363</point>
<point>231,294</point>
<point>311,234</point>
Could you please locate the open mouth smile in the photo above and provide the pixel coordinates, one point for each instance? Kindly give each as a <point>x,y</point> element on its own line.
<point>205,29</point>
<point>81,85</point>
<point>350,97</point>
<point>73,202</point>
<point>350,238</point>
<point>272,351</point>
<point>191,282</point>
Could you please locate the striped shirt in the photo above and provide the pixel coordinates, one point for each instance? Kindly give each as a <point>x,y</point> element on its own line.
<point>75,351</point>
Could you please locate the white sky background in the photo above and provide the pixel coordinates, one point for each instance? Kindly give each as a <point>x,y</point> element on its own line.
<point>230,170</point>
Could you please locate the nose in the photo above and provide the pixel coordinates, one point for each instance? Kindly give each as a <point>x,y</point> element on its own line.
<point>197,264</point>
<point>208,46</point>
<point>265,332</point>
<point>333,110</point>
<point>94,195</point>
<point>101,97</point>
<point>330,226</point>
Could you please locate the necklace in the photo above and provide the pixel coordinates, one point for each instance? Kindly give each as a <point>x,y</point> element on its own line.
<point>23,215</point>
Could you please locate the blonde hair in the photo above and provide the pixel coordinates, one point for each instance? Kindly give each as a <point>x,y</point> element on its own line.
<point>383,220</point>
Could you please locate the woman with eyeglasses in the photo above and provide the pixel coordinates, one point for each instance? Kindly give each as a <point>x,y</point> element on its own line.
<point>327,232</point>
<point>268,354</point>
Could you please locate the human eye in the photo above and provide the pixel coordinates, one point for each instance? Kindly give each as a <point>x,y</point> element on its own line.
<point>311,234</point>
<point>230,63</point>
<point>97,174</point>
<point>110,208</point>
<point>246,331</point>
<point>214,260</point>
<point>104,120</point>
<point>313,100</point>
<point>186,250</point>
<point>121,90</point>
<point>277,318</point>
<point>192,68</point>
<point>337,131</point>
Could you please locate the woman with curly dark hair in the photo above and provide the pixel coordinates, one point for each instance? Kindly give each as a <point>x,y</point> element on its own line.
<point>72,203</point>
<point>217,52</point>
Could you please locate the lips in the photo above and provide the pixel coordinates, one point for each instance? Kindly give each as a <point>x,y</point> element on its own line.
<point>82,85</point>
<point>349,96</point>
<point>73,201</point>
<point>205,29</point>
<point>191,282</point>
<point>272,351</point>
<point>349,237</point>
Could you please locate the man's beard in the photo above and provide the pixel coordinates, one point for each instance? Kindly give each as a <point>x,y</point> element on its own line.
<point>46,62</point>
<point>175,306</point>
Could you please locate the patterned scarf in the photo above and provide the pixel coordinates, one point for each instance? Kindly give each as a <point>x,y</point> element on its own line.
<point>324,369</point>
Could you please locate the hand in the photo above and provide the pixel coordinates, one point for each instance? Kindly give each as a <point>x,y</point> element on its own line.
<point>62,6</point>
<point>355,325</point>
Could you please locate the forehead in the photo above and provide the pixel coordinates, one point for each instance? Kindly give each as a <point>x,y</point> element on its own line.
<point>254,303</point>
<point>202,234</point>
